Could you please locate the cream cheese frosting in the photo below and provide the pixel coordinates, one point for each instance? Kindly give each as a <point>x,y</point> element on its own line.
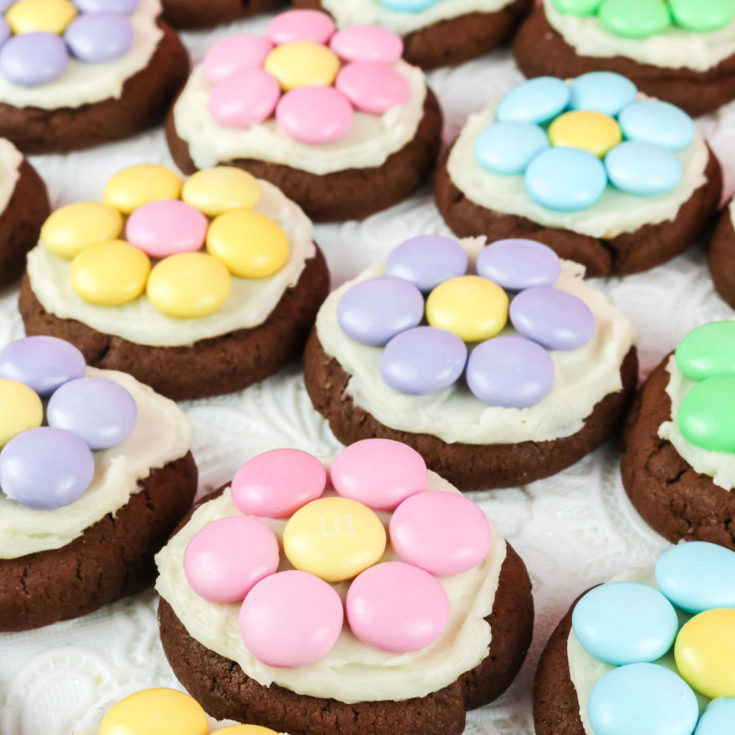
<point>162,433</point>
<point>351,671</point>
<point>369,143</point>
<point>675,48</point>
<point>371,12</point>
<point>583,376</point>
<point>10,161</point>
<point>249,304</point>
<point>615,213</point>
<point>82,84</point>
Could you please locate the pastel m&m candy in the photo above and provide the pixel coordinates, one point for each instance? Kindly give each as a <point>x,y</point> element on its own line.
<point>576,7</point>
<point>97,38</point>
<point>291,619</point>
<point>602,91</point>
<point>21,409</point>
<point>49,16</point>
<point>367,43</point>
<point>315,114</point>
<point>234,53</point>
<point>166,227</point>
<point>302,64</point>
<point>708,351</point>
<point>408,6</point>
<point>33,59</point>
<point>220,189</point>
<point>372,86</point>
<point>657,122</point>
<point>471,307</point>
<point>245,98</point>
<point>74,227</point>
<point>427,260</point>
<point>113,6</point>
<point>706,415</point>
<point>397,607</point>
<point>313,26</point>
<point>634,18</point>
<point>517,264</point>
<point>702,16</point>
<point>135,186</point>
<point>334,538</point>
<point>589,131</point>
<point>534,101</point>
<point>250,244</point>
<point>718,717</point>
<point>643,169</point>
<point>508,147</point>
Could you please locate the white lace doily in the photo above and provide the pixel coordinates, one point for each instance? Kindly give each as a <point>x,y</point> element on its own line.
<point>572,530</point>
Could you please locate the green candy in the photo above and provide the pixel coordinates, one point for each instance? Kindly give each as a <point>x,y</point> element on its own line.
<point>635,18</point>
<point>708,351</point>
<point>577,7</point>
<point>707,414</point>
<point>702,16</point>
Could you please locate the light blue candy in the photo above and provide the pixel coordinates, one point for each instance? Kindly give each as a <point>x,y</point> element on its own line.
<point>642,699</point>
<point>534,101</point>
<point>602,91</point>
<point>508,147</point>
<point>698,576</point>
<point>625,623</point>
<point>407,6</point>
<point>643,169</point>
<point>719,719</point>
<point>566,179</point>
<point>661,123</point>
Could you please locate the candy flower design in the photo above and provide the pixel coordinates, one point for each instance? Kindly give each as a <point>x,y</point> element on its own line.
<point>166,224</point>
<point>53,419</point>
<point>38,37</point>
<point>437,319</point>
<point>309,77</point>
<point>642,19</point>
<point>572,140</point>
<point>669,647</point>
<point>368,527</point>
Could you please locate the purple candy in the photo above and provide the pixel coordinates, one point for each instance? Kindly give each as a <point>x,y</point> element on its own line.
<point>423,360</point>
<point>45,468</point>
<point>511,372</point>
<point>5,31</point>
<point>42,363</point>
<point>99,411</point>
<point>427,261</point>
<point>374,311</point>
<point>32,59</point>
<point>99,37</point>
<point>516,264</point>
<point>5,4</point>
<point>553,318</point>
<point>111,6</point>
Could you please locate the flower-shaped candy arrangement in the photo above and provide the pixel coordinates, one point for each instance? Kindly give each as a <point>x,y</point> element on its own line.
<point>311,78</point>
<point>672,646</point>
<point>39,37</point>
<point>334,537</point>
<point>168,226</point>
<point>53,419</point>
<point>641,19</point>
<point>507,311</point>
<point>572,140</point>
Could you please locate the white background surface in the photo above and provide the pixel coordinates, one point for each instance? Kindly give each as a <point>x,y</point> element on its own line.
<point>572,530</point>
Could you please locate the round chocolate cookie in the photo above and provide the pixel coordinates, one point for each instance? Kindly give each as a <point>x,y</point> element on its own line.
<point>721,255</point>
<point>455,40</point>
<point>541,51</point>
<point>196,14</point>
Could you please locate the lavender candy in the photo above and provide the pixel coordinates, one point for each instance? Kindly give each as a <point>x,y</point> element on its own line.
<point>111,6</point>
<point>517,264</point>
<point>5,31</point>
<point>33,59</point>
<point>99,37</point>
<point>427,261</point>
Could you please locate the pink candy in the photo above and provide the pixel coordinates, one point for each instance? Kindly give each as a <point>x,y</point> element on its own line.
<point>228,556</point>
<point>245,98</point>
<point>367,43</point>
<point>315,115</point>
<point>372,86</point>
<point>291,619</point>
<point>397,607</point>
<point>300,25</point>
<point>166,227</point>
<point>443,533</point>
<point>276,484</point>
<point>244,51</point>
<point>380,473</point>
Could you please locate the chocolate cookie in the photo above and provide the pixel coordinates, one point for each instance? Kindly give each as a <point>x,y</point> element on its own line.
<point>111,559</point>
<point>541,51</point>
<point>195,14</point>
<point>456,40</point>
<point>721,252</point>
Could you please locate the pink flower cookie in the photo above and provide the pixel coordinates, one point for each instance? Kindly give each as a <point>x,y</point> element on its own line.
<point>335,118</point>
<point>362,584</point>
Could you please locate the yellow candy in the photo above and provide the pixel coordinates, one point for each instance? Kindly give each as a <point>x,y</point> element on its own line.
<point>21,409</point>
<point>51,16</point>
<point>590,131</point>
<point>705,653</point>
<point>72,228</point>
<point>473,308</point>
<point>301,63</point>
<point>189,285</point>
<point>220,189</point>
<point>246,730</point>
<point>156,712</point>
<point>135,186</point>
<point>249,244</point>
<point>334,538</point>
<point>110,273</point>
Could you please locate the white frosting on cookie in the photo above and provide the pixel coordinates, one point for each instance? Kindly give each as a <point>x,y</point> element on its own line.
<point>10,161</point>
<point>249,304</point>
<point>82,84</point>
<point>369,143</point>
<point>371,12</point>
<point>583,377</point>
<point>613,214</point>
<point>162,433</point>
<point>351,671</point>
<point>675,48</point>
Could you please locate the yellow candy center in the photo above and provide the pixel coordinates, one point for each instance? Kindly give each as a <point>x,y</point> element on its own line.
<point>334,538</point>
<point>471,307</point>
<point>72,228</point>
<point>133,187</point>
<point>49,16</point>
<point>21,409</point>
<point>302,63</point>
<point>590,131</point>
<point>221,189</point>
